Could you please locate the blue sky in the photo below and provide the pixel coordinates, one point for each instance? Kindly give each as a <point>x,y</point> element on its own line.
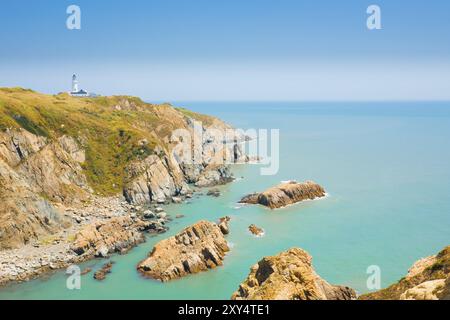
<point>230,50</point>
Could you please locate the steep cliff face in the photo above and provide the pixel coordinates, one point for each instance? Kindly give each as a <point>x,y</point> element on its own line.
<point>24,215</point>
<point>32,171</point>
<point>289,276</point>
<point>286,194</point>
<point>154,179</point>
<point>62,150</point>
<point>197,248</point>
<point>427,279</point>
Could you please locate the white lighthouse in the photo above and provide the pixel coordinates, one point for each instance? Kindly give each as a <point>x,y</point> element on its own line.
<point>76,91</point>
<point>74,83</point>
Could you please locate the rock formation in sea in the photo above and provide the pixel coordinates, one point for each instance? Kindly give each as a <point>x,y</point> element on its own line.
<point>427,279</point>
<point>255,230</point>
<point>286,194</point>
<point>101,274</point>
<point>289,276</point>
<point>197,248</point>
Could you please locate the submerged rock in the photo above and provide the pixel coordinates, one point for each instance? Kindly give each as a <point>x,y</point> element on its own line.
<point>213,193</point>
<point>197,248</point>
<point>289,276</point>
<point>101,274</point>
<point>286,194</point>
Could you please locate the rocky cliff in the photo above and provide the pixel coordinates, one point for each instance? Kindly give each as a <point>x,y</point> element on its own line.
<point>289,276</point>
<point>286,194</point>
<point>58,151</point>
<point>197,248</point>
<point>427,279</point>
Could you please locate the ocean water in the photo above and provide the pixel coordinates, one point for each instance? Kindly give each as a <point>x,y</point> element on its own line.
<point>386,167</point>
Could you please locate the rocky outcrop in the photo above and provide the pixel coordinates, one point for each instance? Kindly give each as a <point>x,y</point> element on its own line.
<point>286,194</point>
<point>223,225</point>
<point>427,279</point>
<point>215,175</point>
<point>105,237</point>
<point>154,179</point>
<point>197,248</point>
<point>256,231</point>
<point>289,276</point>
<point>56,171</point>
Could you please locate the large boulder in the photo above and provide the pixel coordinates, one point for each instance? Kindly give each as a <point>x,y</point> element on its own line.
<point>197,248</point>
<point>289,276</point>
<point>286,194</point>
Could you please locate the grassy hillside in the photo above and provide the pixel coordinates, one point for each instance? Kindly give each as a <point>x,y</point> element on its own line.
<point>113,130</point>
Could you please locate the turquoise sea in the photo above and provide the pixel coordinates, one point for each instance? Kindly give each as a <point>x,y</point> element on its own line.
<point>386,167</point>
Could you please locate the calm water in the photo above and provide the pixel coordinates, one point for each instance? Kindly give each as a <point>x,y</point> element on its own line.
<point>385,166</point>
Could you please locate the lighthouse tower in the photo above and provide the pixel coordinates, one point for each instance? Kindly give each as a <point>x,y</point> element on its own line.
<point>74,83</point>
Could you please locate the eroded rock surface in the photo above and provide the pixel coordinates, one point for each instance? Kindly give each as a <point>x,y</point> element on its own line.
<point>197,248</point>
<point>105,237</point>
<point>289,276</point>
<point>286,194</point>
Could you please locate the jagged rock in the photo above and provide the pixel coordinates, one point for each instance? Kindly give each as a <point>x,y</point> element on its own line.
<point>289,276</point>
<point>199,247</point>
<point>420,283</point>
<point>215,175</point>
<point>154,179</point>
<point>256,230</point>
<point>223,225</point>
<point>286,194</point>
<point>101,238</point>
<point>101,274</point>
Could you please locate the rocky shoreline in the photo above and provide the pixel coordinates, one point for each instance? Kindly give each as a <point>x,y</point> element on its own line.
<point>106,226</point>
<point>57,177</point>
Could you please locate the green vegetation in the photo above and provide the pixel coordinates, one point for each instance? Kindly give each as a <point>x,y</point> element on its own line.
<point>114,131</point>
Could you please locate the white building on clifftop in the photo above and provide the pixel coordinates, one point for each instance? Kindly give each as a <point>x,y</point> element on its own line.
<point>76,91</point>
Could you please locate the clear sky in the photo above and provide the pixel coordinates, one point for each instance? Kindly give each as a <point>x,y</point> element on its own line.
<point>230,49</point>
